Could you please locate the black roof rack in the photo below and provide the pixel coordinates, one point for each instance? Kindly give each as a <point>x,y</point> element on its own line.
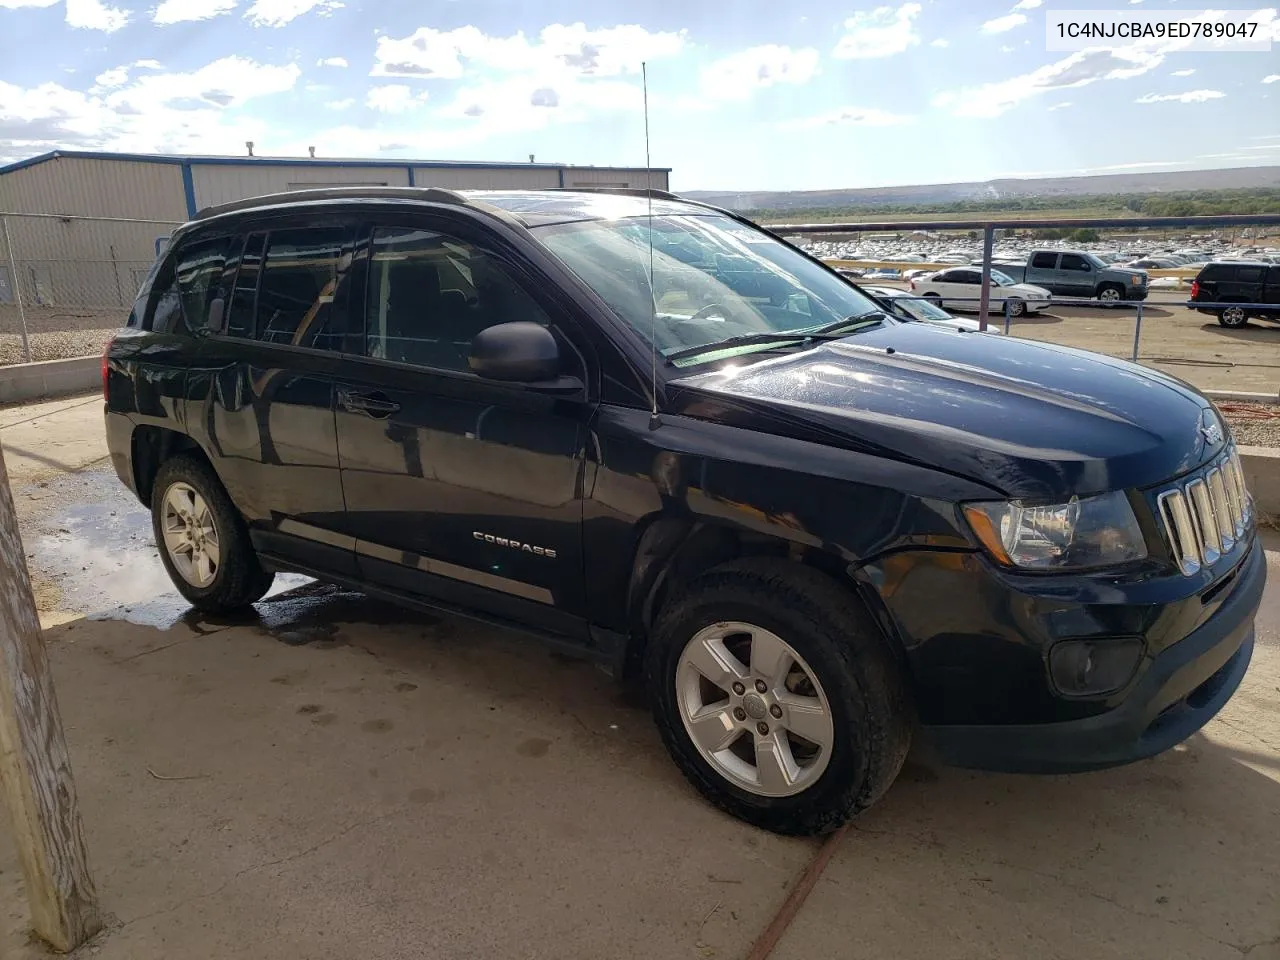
<point>432,194</point>
<point>624,191</point>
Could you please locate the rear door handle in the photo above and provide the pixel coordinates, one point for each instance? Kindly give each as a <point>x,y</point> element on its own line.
<point>376,404</point>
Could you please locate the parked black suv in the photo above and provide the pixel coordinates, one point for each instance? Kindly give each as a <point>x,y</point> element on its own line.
<point>655,435</point>
<point>1238,282</point>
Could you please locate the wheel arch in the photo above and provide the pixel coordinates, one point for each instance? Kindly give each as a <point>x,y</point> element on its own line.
<point>150,447</point>
<point>674,551</point>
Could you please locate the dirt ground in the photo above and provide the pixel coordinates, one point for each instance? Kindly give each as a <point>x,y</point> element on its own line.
<point>331,778</point>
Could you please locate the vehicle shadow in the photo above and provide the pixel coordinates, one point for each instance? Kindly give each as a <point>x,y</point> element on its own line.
<point>1251,332</point>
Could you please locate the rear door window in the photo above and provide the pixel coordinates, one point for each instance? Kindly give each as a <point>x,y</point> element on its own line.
<point>1044,261</point>
<point>303,291</point>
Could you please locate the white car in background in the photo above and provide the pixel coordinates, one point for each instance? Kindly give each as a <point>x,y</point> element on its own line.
<point>908,306</point>
<point>960,289</point>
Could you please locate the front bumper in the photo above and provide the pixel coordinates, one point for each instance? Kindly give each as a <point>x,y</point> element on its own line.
<point>1181,690</point>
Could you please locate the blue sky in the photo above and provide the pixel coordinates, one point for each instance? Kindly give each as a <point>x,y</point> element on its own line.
<point>748,95</point>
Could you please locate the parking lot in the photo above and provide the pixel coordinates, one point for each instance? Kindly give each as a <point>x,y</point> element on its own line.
<point>352,779</point>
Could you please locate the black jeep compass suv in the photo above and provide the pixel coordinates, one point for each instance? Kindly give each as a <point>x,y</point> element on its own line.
<point>649,432</point>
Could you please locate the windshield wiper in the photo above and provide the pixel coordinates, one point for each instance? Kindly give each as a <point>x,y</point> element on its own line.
<point>832,331</point>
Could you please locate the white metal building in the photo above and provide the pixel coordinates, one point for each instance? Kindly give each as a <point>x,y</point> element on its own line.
<point>62,259</point>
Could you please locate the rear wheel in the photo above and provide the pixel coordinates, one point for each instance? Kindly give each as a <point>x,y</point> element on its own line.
<point>1232,317</point>
<point>776,697</point>
<point>202,539</point>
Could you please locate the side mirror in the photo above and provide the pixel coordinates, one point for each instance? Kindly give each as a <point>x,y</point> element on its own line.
<point>519,352</point>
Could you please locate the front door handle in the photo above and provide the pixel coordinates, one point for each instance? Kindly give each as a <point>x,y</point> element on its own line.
<point>377,404</point>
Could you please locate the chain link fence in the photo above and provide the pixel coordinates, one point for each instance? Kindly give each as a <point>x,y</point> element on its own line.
<point>67,282</point>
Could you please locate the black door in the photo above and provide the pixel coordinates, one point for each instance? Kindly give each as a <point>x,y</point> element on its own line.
<point>462,490</point>
<point>264,393</point>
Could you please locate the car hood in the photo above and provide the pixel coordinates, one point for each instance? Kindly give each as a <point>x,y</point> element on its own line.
<point>1027,290</point>
<point>1026,419</point>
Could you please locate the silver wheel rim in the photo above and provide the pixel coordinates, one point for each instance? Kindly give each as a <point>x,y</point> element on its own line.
<point>1111,293</point>
<point>754,709</point>
<point>1233,315</point>
<point>190,535</point>
<point>1016,307</point>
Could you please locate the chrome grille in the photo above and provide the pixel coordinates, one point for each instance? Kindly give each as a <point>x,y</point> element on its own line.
<point>1207,515</point>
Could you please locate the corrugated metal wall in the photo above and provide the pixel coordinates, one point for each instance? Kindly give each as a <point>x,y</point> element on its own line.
<point>96,188</point>
<point>225,182</point>
<point>614,177</point>
<point>486,178</point>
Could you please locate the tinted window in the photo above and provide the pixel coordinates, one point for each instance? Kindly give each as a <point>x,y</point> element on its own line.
<point>1273,275</point>
<point>429,295</point>
<point>244,292</point>
<point>199,268</point>
<point>1045,261</point>
<point>302,292</point>
<point>1249,274</point>
<point>166,314</point>
<point>1073,261</point>
<point>965,276</point>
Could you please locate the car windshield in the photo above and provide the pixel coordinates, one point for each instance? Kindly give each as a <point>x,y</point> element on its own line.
<point>1096,261</point>
<point>713,279</point>
<point>1001,279</point>
<point>921,309</point>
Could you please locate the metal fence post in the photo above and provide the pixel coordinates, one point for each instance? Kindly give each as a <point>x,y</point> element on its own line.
<point>988,241</point>
<point>1137,333</point>
<point>1008,317</point>
<point>17,289</point>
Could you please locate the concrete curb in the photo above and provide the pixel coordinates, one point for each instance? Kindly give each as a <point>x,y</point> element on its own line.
<point>47,379</point>
<point>1242,395</point>
<point>1262,477</point>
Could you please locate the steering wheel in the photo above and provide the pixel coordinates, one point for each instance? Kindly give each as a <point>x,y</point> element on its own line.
<point>710,310</point>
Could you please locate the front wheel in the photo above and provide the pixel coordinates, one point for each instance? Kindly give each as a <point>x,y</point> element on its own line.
<point>1110,295</point>
<point>202,539</point>
<point>1232,317</point>
<point>776,697</point>
<point>1016,307</point>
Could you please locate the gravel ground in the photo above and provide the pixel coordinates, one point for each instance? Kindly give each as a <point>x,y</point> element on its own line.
<point>56,334</point>
<point>1254,424</point>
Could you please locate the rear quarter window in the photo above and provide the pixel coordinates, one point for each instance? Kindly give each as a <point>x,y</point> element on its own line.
<point>1215,271</point>
<point>1249,274</point>
<point>198,268</point>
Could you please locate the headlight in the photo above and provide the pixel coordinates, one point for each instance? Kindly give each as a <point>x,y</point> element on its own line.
<point>1091,532</point>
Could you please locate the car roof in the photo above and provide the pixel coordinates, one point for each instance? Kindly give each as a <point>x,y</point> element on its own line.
<point>1238,263</point>
<point>529,207</point>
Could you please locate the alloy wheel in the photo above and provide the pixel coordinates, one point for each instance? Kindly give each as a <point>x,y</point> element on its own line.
<point>190,535</point>
<point>754,709</point>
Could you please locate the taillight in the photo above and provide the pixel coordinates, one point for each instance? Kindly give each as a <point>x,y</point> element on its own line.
<point>1195,289</point>
<point>106,366</point>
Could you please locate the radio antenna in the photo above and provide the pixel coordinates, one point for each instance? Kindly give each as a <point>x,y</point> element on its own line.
<point>653,295</point>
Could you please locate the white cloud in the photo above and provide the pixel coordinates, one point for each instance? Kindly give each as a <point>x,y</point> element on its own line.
<point>850,116</point>
<point>332,62</point>
<point>1005,48</point>
<point>1027,4</point>
<point>738,75</point>
<point>114,77</point>
<point>394,98</point>
<point>882,32</point>
<point>276,13</point>
<point>1191,96</point>
<point>1061,106</point>
<point>1271,78</point>
<point>182,11</point>
<point>1182,73</point>
<point>1002,24</point>
<point>346,103</point>
<point>156,112</point>
<point>558,48</point>
<point>95,15</point>
<point>15,4</point>
<point>940,42</point>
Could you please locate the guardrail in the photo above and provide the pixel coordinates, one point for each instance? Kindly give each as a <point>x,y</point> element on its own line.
<point>1136,305</point>
<point>989,227</point>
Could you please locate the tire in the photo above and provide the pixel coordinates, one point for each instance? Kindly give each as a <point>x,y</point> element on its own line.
<point>1016,307</point>
<point>1109,293</point>
<point>235,578</point>
<point>933,298</point>
<point>1233,317</point>
<point>833,643</point>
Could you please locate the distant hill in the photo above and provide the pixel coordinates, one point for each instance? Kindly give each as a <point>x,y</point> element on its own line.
<point>1117,183</point>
